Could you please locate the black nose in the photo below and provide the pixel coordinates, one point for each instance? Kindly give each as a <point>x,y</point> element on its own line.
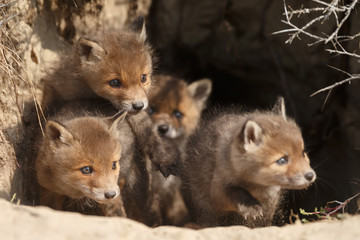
<point>110,194</point>
<point>138,106</point>
<point>163,128</point>
<point>309,176</point>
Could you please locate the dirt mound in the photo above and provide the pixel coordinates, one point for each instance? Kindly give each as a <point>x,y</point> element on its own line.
<point>43,223</point>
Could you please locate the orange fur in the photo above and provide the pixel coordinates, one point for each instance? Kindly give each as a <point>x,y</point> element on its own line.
<point>120,55</point>
<point>175,110</point>
<point>71,146</point>
<point>177,106</point>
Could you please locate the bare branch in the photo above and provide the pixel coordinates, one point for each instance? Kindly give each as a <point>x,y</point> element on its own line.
<point>335,12</point>
<point>344,52</point>
<point>347,80</point>
<point>306,11</point>
<point>347,15</point>
<point>331,5</point>
<point>330,9</point>
<point>338,69</point>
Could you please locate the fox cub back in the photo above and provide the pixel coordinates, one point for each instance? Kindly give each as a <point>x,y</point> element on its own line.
<point>176,106</point>
<point>238,164</point>
<point>79,159</point>
<point>115,65</point>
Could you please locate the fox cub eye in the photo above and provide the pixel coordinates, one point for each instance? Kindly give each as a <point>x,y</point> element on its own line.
<point>115,83</point>
<point>86,170</point>
<point>282,161</point>
<point>114,165</point>
<point>143,78</point>
<point>150,110</point>
<point>178,114</point>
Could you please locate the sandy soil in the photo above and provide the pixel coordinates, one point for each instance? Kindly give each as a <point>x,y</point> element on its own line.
<point>22,222</point>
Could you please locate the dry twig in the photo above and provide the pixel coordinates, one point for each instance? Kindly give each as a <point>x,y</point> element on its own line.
<point>328,10</point>
<point>350,78</point>
<point>339,13</point>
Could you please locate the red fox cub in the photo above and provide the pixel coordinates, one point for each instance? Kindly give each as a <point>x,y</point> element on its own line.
<point>176,106</point>
<point>238,164</point>
<point>175,110</point>
<point>78,164</point>
<point>142,154</point>
<point>112,65</point>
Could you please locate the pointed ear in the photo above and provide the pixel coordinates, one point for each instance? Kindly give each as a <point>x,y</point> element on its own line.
<point>58,133</point>
<point>279,107</point>
<point>90,51</point>
<point>117,121</point>
<point>253,136</point>
<point>138,26</point>
<point>200,91</point>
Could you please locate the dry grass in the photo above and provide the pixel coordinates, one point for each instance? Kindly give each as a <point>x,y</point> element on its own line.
<point>12,67</point>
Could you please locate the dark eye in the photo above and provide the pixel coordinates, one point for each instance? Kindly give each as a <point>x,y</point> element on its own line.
<point>178,114</point>
<point>115,83</point>
<point>143,78</point>
<point>150,110</point>
<point>86,170</point>
<point>114,165</point>
<point>282,161</point>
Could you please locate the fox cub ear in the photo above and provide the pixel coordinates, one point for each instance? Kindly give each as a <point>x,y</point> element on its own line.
<point>57,133</point>
<point>200,91</point>
<point>279,107</point>
<point>252,136</point>
<point>90,51</point>
<point>116,123</point>
<point>138,26</point>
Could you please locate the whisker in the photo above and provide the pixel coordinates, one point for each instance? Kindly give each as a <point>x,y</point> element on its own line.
<point>320,163</point>
<point>317,191</point>
<point>327,173</point>
<point>322,182</point>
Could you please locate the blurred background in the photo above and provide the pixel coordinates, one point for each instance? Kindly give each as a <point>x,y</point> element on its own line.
<point>229,41</point>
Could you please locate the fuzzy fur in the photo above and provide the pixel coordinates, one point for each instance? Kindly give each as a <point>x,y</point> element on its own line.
<point>72,142</point>
<point>176,107</point>
<point>95,61</point>
<point>231,172</point>
<point>142,155</point>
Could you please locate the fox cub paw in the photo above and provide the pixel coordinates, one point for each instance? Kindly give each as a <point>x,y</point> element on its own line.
<point>254,211</point>
<point>247,205</point>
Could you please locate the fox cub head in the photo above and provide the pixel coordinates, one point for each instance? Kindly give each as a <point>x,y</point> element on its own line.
<point>80,158</point>
<point>176,106</point>
<point>274,150</point>
<point>117,66</point>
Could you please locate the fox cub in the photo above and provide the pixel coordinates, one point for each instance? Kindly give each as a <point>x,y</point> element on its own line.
<point>113,65</point>
<point>140,156</point>
<point>176,106</point>
<point>238,164</point>
<point>78,164</point>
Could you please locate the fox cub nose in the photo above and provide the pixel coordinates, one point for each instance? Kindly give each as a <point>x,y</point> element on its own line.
<point>138,106</point>
<point>163,128</point>
<point>309,176</point>
<point>110,194</point>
